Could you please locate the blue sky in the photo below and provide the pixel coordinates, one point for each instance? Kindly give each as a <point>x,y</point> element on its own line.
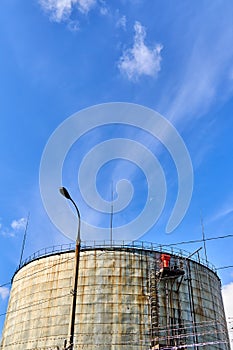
<point>61,56</point>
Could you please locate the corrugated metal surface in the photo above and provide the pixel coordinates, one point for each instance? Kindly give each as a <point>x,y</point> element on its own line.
<point>122,303</point>
<point>191,309</point>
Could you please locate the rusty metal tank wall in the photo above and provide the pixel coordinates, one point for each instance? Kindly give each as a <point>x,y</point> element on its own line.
<point>112,305</point>
<point>191,313</point>
<point>123,303</point>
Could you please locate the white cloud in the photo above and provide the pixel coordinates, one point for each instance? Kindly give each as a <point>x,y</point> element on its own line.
<point>4,292</point>
<point>85,6</point>
<point>224,211</point>
<point>18,224</point>
<point>73,26</point>
<point>7,233</point>
<point>60,10</point>
<point>121,22</point>
<point>227,292</point>
<point>104,11</point>
<point>140,59</point>
<point>103,8</point>
<point>206,59</point>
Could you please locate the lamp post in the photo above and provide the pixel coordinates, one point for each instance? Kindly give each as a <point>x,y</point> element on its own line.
<point>66,194</point>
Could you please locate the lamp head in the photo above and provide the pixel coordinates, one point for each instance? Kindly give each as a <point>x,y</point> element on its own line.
<point>64,192</point>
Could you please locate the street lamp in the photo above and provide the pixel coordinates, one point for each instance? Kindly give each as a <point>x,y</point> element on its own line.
<point>66,194</point>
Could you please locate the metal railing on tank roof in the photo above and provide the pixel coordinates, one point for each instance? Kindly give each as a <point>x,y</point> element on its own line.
<point>116,244</point>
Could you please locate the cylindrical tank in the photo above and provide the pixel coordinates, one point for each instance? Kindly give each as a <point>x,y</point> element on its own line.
<point>128,298</point>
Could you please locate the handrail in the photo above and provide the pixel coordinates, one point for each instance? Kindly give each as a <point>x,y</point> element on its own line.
<point>138,245</point>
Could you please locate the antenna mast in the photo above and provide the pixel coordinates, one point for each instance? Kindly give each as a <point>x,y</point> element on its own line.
<point>203,237</point>
<point>111,217</point>
<point>24,239</point>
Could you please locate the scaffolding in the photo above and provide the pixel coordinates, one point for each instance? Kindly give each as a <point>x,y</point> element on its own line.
<point>170,278</point>
<point>130,296</point>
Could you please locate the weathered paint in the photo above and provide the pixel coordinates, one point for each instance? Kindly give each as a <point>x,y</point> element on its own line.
<point>113,303</point>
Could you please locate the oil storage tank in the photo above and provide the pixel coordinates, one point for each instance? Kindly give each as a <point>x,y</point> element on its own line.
<point>129,296</point>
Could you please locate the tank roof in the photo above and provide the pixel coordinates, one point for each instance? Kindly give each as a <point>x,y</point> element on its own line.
<point>117,245</point>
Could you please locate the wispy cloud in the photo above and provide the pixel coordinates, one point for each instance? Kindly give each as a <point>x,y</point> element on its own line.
<point>60,10</point>
<point>206,63</point>
<point>18,224</point>
<point>104,8</point>
<point>73,26</point>
<point>140,59</point>
<point>4,292</point>
<point>85,6</point>
<point>15,227</point>
<point>121,22</point>
<point>225,211</point>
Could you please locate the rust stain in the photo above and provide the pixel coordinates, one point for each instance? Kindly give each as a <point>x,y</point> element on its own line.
<point>112,302</point>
